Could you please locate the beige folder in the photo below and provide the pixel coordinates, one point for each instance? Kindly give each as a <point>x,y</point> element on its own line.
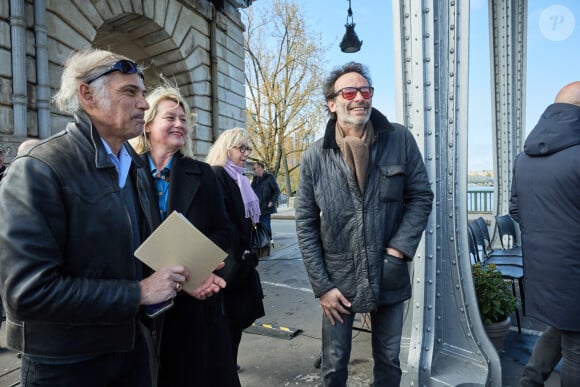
<point>178,242</point>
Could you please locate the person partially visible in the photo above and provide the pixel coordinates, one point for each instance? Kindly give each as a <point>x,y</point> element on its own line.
<point>363,202</point>
<point>26,146</point>
<point>2,166</point>
<point>79,204</point>
<point>23,148</point>
<point>195,349</point>
<point>545,357</point>
<point>266,188</point>
<point>243,295</point>
<point>545,201</point>
<point>2,170</point>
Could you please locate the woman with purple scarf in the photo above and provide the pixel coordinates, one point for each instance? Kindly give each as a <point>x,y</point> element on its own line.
<point>243,294</point>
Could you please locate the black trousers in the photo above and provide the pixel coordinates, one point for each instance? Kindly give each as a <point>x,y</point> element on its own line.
<point>118,369</point>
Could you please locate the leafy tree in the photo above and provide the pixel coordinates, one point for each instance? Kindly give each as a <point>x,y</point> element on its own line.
<point>284,73</point>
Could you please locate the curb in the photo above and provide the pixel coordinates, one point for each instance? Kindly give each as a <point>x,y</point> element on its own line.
<point>283,216</point>
<point>285,213</point>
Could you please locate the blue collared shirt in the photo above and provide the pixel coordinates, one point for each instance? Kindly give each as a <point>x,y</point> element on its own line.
<point>122,163</point>
<point>161,179</point>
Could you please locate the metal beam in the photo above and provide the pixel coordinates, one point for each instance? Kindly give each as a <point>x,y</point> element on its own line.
<point>508,38</point>
<point>446,342</point>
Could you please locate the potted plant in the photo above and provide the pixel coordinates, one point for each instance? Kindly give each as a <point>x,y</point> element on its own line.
<point>495,300</point>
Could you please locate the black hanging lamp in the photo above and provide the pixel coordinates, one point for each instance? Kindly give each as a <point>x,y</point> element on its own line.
<point>350,41</point>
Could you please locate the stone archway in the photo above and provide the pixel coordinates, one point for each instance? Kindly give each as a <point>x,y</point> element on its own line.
<point>131,35</point>
<point>185,41</point>
<point>198,47</point>
<point>148,43</point>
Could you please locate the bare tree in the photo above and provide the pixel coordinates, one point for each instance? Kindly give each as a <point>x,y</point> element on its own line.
<point>284,72</point>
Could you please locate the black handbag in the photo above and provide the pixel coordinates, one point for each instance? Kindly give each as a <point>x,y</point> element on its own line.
<point>260,240</point>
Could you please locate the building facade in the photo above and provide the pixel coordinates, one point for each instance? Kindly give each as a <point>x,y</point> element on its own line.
<point>195,44</point>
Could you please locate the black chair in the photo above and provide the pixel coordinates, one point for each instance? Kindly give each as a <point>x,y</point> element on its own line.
<point>488,254</point>
<point>511,273</point>
<point>473,250</point>
<point>506,229</point>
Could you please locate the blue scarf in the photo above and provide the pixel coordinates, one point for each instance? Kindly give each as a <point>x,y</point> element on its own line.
<point>251,201</point>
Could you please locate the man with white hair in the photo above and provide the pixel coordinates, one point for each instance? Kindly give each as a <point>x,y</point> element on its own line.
<point>79,203</point>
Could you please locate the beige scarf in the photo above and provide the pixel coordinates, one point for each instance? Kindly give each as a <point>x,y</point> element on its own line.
<point>355,152</point>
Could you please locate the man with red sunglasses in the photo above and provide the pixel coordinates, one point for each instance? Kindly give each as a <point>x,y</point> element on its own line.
<point>363,202</point>
<point>75,207</point>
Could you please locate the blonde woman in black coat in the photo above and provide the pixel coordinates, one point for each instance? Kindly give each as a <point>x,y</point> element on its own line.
<point>195,346</point>
<point>243,295</point>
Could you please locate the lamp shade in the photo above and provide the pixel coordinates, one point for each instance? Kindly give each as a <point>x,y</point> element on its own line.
<point>350,42</point>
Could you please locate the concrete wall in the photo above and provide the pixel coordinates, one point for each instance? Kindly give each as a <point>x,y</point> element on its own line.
<point>168,37</point>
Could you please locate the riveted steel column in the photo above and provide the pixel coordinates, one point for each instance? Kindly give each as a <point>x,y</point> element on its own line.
<point>508,21</point>
<point>447,344</point>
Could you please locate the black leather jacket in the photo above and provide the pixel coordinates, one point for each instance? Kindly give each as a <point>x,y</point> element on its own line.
<point>67,269</point>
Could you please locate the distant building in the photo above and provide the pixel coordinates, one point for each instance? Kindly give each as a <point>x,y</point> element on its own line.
<point>484,178</point>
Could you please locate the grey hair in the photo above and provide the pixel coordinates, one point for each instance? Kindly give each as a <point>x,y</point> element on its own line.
<point>328,85</point>
<point>219,152</point>
<point>80,67</point>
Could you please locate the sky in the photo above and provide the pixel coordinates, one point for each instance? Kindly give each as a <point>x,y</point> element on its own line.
<point>553,57</point>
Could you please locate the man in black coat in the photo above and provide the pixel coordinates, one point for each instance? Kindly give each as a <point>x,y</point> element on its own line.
<point>266,188</point>
<point>545,200</point>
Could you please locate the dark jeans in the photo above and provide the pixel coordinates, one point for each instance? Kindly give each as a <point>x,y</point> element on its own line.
<point>552,345</point>
<point>545,356</point>
<point>387,328</point>
<point>266,222</point>
<point>570,374</point>
<point>119,369</point>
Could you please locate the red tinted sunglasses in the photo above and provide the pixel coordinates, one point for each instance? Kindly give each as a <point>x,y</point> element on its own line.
<point>349,93</point>
<point>123,66</point>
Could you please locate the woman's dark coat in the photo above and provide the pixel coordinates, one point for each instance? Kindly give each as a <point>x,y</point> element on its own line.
<point>243,294</point>
<point>195,349</point>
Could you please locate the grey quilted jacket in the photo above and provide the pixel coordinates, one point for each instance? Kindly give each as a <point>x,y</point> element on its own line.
<point>343,234</point>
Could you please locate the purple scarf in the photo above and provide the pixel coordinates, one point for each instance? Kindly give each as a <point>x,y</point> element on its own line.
<point>251,201</point>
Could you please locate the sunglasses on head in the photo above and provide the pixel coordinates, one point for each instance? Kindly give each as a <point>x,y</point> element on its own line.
<point>349,93</point>
<point>124,66</point>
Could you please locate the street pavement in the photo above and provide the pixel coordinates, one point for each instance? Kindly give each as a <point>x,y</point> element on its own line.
<point>281,348</point>
<point>270,359</point>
